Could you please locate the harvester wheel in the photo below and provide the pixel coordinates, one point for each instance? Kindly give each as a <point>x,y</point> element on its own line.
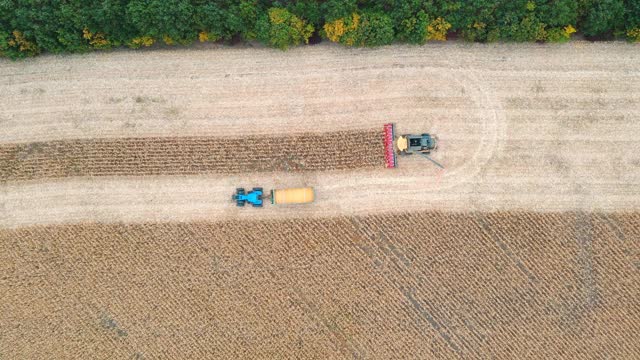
<point>240,203</point>
<point>257,189</point>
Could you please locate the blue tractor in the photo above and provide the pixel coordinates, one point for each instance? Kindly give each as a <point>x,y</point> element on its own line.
<point>254,197</point>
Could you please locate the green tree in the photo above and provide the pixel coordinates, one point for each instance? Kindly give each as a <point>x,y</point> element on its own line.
<point>29,27</point>
<point>247,16</point>
<point>558,13</point>
<point>169,20</point>
<point>375,29</point>
<point>410,18</point>
<point>50,25</point>
<point>413,29</point>
<point>310,10</point>
<point>280,28</point>
<point>108,17</point>
<point>212,19</point>
<point>518,21</point>
<point>632,20</point>
<point>5,30</point>
<point>477,20</point>
<point>603,18</point>
<point>338,9</point>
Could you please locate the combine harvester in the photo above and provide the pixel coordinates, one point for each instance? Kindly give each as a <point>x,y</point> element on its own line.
<point>256,196</point>
<point>407,145</point>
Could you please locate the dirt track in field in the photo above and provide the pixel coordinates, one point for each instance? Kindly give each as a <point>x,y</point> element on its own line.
<point>521,126</point>
<point>430,284</point>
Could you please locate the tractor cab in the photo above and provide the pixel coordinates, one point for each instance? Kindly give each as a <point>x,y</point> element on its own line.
<point>254,197</point>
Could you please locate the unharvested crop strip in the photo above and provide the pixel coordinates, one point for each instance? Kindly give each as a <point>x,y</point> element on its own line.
<point>426,284</point>
<point>191,155</point>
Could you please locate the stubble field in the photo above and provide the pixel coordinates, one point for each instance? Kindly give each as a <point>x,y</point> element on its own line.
<point>422,285</point>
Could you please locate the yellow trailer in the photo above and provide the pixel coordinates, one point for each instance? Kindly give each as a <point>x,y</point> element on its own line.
<point>293,196</point>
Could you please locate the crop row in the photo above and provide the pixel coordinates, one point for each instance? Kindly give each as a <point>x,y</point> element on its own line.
<point>340,150</point>
<point>442,285</point>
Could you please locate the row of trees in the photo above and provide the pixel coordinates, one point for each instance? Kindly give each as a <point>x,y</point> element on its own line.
<point>28,27</point>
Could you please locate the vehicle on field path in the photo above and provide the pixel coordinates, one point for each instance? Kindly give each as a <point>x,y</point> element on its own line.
<point>256,196</point>
<point>408,144</point>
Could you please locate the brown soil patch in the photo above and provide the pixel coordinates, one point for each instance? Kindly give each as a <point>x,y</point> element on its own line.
<point>191,155</point>
<point>430,284</point>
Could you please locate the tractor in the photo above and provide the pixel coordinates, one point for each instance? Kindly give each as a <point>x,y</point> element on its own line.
<point>286,196</point>
<point>254,197</point>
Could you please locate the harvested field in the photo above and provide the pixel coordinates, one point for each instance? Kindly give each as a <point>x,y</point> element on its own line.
<point>189,156</point>
<point>449,285</point>
<point>522,127</point>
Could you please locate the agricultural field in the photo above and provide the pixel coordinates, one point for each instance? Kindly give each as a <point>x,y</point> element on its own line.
<point>118,236</point>
<point>427,284</point>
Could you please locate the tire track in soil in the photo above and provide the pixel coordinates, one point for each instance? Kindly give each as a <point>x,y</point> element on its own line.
<point>491,233</point>
<point>491,135</point>
<point>622,237</point>
<point>370,251</point>
<point>584,238</point>
<point>375,230</point>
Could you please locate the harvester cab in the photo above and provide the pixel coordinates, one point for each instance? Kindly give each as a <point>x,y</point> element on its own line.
<point>408,144</point>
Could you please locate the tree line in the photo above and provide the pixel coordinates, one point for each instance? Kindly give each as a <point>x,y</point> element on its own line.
<point>30,27</point>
